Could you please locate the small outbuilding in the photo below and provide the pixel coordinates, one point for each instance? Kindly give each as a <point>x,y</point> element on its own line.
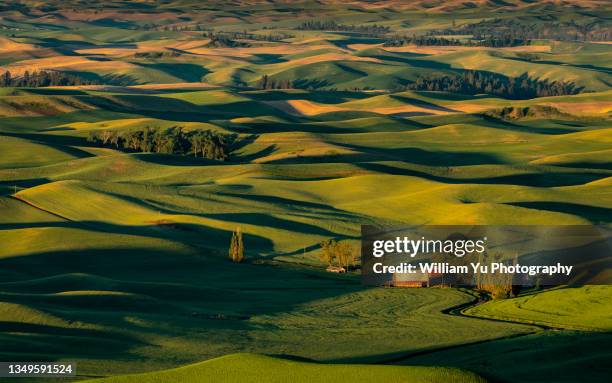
<point>335,269</point>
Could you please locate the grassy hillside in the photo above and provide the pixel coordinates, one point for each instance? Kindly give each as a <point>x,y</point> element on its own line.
<point>117,256</point>
<point>256,368</point>
<point>559,308</point>
<point>291,182</point>
<point>563,356</point>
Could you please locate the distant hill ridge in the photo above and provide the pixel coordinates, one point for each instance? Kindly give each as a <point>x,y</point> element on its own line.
<point>433,5</point>
<point>449,5</point>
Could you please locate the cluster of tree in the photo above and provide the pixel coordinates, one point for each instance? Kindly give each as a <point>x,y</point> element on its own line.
<point>316,25</point>
<point>174,140</point>
<point>491,41</point>
<point>156,54</point>
<point>497,285</point>
<point>475,82</point>
<point>399,40</point>
<point>245,35</point>
<point>534,111</point>
<point>43,78</point>
<point>265,82</point>
<point>236,248</point>
<point>222,41</point>
<point>339,254</point>
<point>501,41</point>
<point>522,30</point>
<point>174,27</point>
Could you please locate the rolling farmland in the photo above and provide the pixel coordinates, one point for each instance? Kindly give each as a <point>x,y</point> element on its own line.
<point>117,256</point>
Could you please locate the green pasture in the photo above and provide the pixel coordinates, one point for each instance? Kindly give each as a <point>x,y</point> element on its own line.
<point>117,259</point>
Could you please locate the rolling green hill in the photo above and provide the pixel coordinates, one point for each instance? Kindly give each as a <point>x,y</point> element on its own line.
<point>558,308</point>
<point>116,256</point>
<point>257,368</point>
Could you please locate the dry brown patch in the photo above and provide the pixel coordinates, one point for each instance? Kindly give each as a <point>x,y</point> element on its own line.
<point>329,57</point>
<point>76,63</point>
<point>584,108</point>
<point>428,50</point>
<point>410,109</point>
<point>470,108</point>
<point>528,48</point>
<point>309,108</point>
<point>303,107</point>
<point>179,85</point>
<point>8,45</point>
<point>435,50</point>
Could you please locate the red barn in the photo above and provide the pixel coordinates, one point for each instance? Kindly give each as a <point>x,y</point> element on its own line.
<point>410,280</point>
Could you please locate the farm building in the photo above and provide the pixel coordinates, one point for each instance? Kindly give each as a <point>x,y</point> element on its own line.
<point>417,279</point>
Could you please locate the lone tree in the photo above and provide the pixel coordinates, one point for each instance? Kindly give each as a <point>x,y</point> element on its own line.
<point>236,249</point>
<point>327,253</point>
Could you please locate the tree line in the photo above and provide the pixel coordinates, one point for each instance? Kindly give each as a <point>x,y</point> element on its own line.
<point>156,54</point>
<point>490,41</point>
<point>174,140</point>
<point>43,78</point>
<point>173,28</point>
<point>475,82</point>
<point>523,30</point>
<point>266,82</point>
<point>233,39</point>
<point>331,25</point>
<point>245,35</point>
<point>533,111</point>
<point>223,41</point>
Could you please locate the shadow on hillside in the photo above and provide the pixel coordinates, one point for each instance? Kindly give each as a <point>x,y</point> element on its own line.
<point>448,96</point>
<point>535,179</point>
<point>498,123</point>
<point>65,144</point>
<point>298,206</point>
<point>409,59</point>
<point>588,165</point>
<point>176,159</point>
<point>321,96</point>
<point>267,58</point>
<point>594,214</point>
<point>50,123</point>
<point>354,38</point>
<point>272,222</point>
<point>246,158</point>
<point>311,83</point>
<point>56,91</point>
<point>561,63</point>
<point>68,47</point>
<point>136,293</point>
<point>31,341</point>
<point>421,103</point>
<point>183,71</point>
<point>25,183</point>
<point>52,42</point>
<point>172,109</point>
<point>184,231</point>
<point>410,155</point>
<point>549,356</point>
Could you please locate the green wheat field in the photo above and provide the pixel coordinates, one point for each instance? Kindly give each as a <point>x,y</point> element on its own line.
<point>137,136</point>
